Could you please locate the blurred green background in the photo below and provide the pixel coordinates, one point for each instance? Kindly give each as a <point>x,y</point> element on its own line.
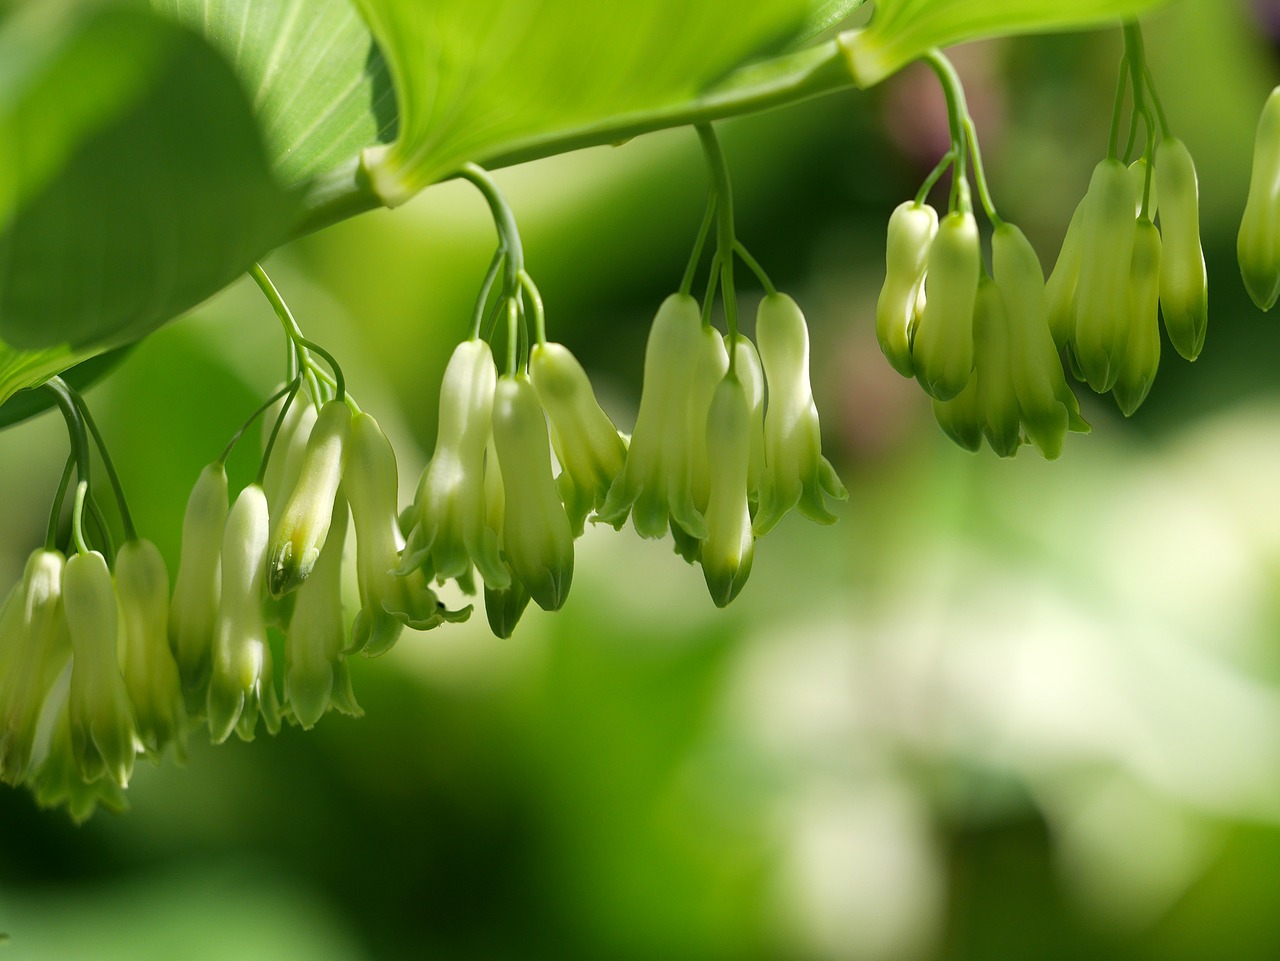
<point>1001,710</point>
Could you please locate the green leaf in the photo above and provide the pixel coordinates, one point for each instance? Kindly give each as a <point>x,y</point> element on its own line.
<point>318,83</point>
<point>135,184</point>
<point>476,79</point>
<point>903,30</point>
<point>824,15</point>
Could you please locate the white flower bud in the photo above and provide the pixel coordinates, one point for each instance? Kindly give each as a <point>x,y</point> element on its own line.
<point>242,684</point>
<point>305,523</point>
<point>102,726</point>
<point>199,583</point>
<point>536,538</point>
<point>150,672</point>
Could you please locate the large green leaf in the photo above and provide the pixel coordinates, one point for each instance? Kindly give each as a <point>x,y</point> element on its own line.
<point>319,86</point>
<point>135,183</point>
<point>477,79</point>
<point>902,30</point>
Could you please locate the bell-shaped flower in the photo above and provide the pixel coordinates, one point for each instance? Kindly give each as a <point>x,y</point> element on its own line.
<point>57,781</point>
<point>290,450</point>
<point>449,533</point>
<point>389,601</point>
<point>912,228</point>
<point>34,646</point>
<point>316,676</point>
<point>503,607</point>
<point>1142,356</point>
<point>1048,407</point>
<point>1258,244</point>
<point>295,546</point>
<point>962,417</point>
<point>997,398</point>
<point>942,348</point>
<point>242,683</point>
<point>199,583</point>
<point>729,547</point>
<point>654,485</point>
<point>588,446</point>
<point>1102,297</point>
<point>713,362</point>
<point>750,374</point>
<point>1184,290</point>
<point>1062,287</point>
<point>103,733</point>
<point>150,672</point>
<point>796,474</point>
<point>536,538</point>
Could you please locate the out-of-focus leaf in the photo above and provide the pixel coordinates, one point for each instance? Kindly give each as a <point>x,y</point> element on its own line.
<point>902,30</point>
<point>476,79</point>
<point>28,403</point>
<point>124,210</point>
<point>824,15</point>
<point>318,84</point>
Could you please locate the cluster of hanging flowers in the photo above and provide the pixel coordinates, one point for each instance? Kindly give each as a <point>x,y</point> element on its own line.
<point>100,662</point>
<point>987,345</point>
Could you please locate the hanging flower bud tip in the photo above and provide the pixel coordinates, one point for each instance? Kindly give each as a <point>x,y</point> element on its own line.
<point>536,538</point>
<point>1184,295</point>
<point>305,522</point>
<point>942,349</point>
<point>912,228</point>
<point>1258,243</point>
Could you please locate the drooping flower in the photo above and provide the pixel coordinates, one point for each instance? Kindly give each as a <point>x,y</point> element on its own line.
<point>1101,332</point>
<point>316,676</point>
<point>34,647</point>
<point>1258,243</point>
<point>103,732</point>
<point>1048,408</point>
<point>654,486</point>
<point>796,474</point>
<point>295,547</point>
<point>389,602</point>
<point>536,538</point>
<point>199,584</point>
<point>750,374</point>
<point>503,607</point>
<point>942,348</point>
<point>242,684</point>
<point>728,550</point>
<point>57,780</point>
<point>287,456</point>
<point>150,672</point>
<point>1142,355</point>
<point>449,534</point>
<point>912,228</point>
<point>588,446</point>
<point>1184,291</point>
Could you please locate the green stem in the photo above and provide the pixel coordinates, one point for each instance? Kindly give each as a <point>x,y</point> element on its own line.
<point>504,220</point>
<point>699,245</point>
<point>934,176</point>
<point>75,425</point>
<point>290,388</point>
<point>539,312</point>
<point>77,517</point>
<point>275,429</point>
<point>126,519</point>
<point>961,124</point>
<point>486,288</point>
<point>513,336</point>
<point>51,538</point>
<point>291,328</point>
<point>754,266</point>
<point>721,187</point>
<point>1117,110</point>
<point>1155,99</point>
